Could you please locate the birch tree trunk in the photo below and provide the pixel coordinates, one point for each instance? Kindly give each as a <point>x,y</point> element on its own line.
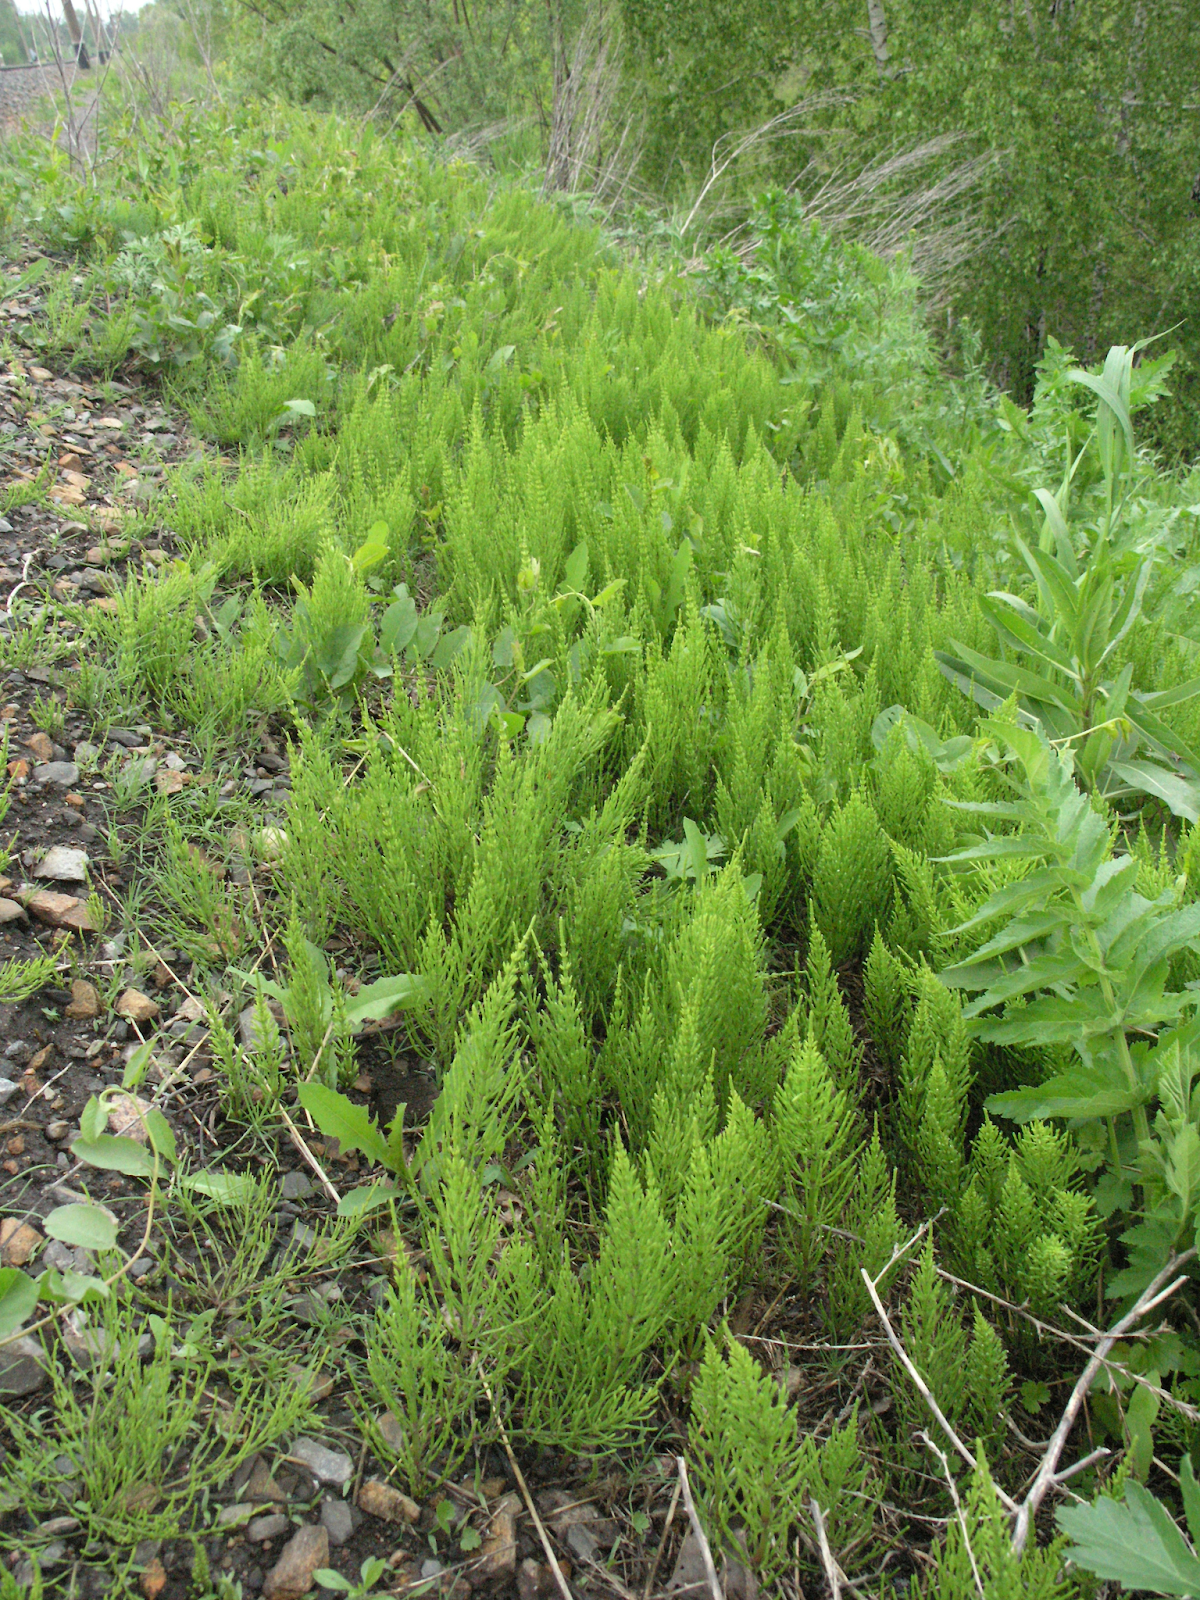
<point>877,27</point>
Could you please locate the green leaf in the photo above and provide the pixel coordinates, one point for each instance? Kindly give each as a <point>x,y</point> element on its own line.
<point>87,1227</point>
<point>18,1296</point>
<point>136,1069</point>
<point>399,623</point>
<point>93,1119</point>
<point>575,568</point>
<point>501,357</point>
<point>385,996</point>
<point>450,646</point>
<point>1079,1092</point>
<point>226,1188</point>
<point>1133,1542</point>
<point>329,1579</point>
<point>1034,1396</point>
<point>367,1197</point>
<point>1180,795</point>
<point>161,1136</point>
<point>115,1154</point>
<point>339,1118</point>
<point>300,408</point>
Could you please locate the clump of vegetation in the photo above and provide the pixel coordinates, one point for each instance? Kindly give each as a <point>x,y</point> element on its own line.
<point>633,795</point>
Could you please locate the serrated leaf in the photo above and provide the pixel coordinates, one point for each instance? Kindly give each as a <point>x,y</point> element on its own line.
<point>385,996</point>
<point>18,1296</point>
<point>339,1118</point>
<point>115,1154</point>
<point>1133,1542</point>
<point>85,1227</point>
<point>1079,1092</point>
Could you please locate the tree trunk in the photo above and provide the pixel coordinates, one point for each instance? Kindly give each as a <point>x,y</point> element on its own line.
<point>76,33</point>
<point>877,27</point>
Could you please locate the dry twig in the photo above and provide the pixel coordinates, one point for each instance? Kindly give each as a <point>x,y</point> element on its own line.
<point>701,1539</point>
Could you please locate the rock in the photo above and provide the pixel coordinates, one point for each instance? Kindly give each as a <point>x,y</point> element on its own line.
<point>337,1518</point>
<point>7,1089</point>
<point>262,1486</point>
<point>58,1256</point>
<point>138,1007</point>
<point>22,1366</point>
<point>529,1579</point>
<point>296,1186</point>
<point>248,1031</point>
<point>42,746</point>
<point>153,1580</point>
<point>689,1580</point>
<point>431,1568</point>
<point>379,1499</point>
<point>63,774</point>
<point>59,911</point>
<point>10,911</point>
<point>582,1542</point>
<point>85,1001</point>
<point>391,1430</point>
<point>498,1553</point>
<point>18,1241</point>
<point>63,864</point>
<point>292,1575</point>
<point>125,1116</point>
<point>85,754</point>
<point>57,1130</point>
<point>271,1526</point>
<point>327,1466</point>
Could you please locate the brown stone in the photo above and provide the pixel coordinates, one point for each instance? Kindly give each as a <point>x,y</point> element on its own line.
<point>153,1579</point>
<point>18,1241</point>
<point>85,1001</point>
<point>138,1007</point>
<point>379,1499</point>
<point>60,910</point>
<point>261,1485</point>
<point>42,746</point>
<point>10,911</point>
<point>292,1575</point>
<point>498,1553</point>
<point>126,1113</point>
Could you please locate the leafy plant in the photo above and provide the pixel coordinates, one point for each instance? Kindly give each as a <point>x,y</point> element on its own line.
<point>1084,961</point>
<point>1060,656</point>
<point>1135,1541</point>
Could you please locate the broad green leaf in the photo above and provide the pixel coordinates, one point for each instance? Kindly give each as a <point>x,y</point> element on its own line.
<point>300,408</point>
<point>161,1136</point>
<point>136,1069</point>
<point>1191,1496</point>
<point>399,625</point>
<point>369,1197</point>
<point>449,647</point>
<point>1079,1092</point>
<point>94,1118</point>
<point>386,995</point>
<point>87,1227</point>
<point>1133,1542</point>
<point>226,1188</point>
<point>1180,795</point>
<point>501,357</point>
<point>372,553</point>
<point>115,1154</point>
<point>575,568</point>
<point>18,1296</point>
<point>339,1118</point>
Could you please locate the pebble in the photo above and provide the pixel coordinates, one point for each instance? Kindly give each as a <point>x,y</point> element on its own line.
<point>64,864</point>
<point>329,1466</point>
<point>138,1007</point>
<point>296,1186</point>
<point>379,1499</point>
<point>64,774</point>
<point>59,910</point>
<point>86,755</point>
<point>22,1366</point>
<point>7,1087</point>
<point>337,1518</point>
<point>85,1001</point>
<point>57,1130</point>
<point>292,1574</point>
<point>498,1554</point>
<point>10,911</point>
<point>267,1527</point>
<point>262,1486</point>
